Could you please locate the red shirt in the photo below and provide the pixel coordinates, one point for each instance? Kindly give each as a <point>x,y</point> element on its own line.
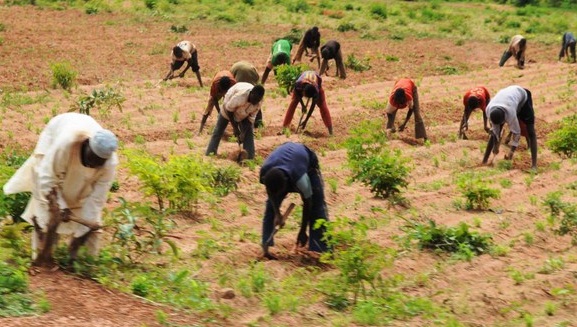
<point>479,92</point>
<point>215,90</point>
<point>408,86</point>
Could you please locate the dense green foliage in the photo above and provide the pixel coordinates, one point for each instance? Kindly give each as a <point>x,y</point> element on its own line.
<point>12,205</point>
<point>179,182</point>
<point>563,140</point>
<point>287,75</point>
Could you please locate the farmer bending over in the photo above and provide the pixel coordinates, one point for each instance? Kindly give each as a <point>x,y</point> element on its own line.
<point>69,175</point>
<point>293,168</point>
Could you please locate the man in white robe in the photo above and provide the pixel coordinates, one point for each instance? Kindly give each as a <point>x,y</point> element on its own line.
<point>71,169</point>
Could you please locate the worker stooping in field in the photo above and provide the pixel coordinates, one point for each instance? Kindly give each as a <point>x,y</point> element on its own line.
<point>517,48</point>
<point>310,41</point>
<point>244,71</point>
<point>512,105</point>
<point>475,98</point>
<point>69,175</point>
<point>184,51</point>
<point>280,54</point>
<point>308,85</point>
<point>567,43</point>
<point>293,168</point>
<point>221,82</point>
<point>240,106</point>
<point>403,95</point>
<point>329,51</point>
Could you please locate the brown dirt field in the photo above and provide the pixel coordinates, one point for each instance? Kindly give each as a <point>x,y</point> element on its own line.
<point>132,56</point>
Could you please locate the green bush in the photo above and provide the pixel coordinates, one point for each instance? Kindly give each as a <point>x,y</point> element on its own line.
<point>12,205</point>
<point>287,75</point>
<point>459,240</point>
<point>372,163</point>
<point>139,229</point>
<point>476,191</point>
<point>563,141</point>
<point>63,75</point>
<point>379,11</point>
<point>346,26</point>
<point>225,179</point>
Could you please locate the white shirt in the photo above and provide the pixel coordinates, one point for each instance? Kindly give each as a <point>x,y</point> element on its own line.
<point>56,163</point>
<point>511,99</point>
<point>236,102</point>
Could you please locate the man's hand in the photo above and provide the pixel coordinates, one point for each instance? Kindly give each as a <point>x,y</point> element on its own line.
<point>65,215</point>
<point>487,129</point>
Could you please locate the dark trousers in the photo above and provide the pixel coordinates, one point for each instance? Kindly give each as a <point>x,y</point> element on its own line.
<point>319,211</point>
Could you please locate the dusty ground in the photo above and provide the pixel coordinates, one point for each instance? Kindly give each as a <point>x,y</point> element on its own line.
<point>109,49</point>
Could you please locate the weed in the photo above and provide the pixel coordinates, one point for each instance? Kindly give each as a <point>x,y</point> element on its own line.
<point>139,229</point>
<point>476,191</point>
<point>358,260</point>
<point>346,26</point>
<point>563,213</point>
<point>563,140</point>
<point>551,265</point>
<point>63,75</point>
<point>178,29</point>
<point>356,64</point>
<point>459,240</point>
<point>101,99</point>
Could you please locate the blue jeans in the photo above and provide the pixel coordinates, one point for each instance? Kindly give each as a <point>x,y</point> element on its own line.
<point>221,124</point>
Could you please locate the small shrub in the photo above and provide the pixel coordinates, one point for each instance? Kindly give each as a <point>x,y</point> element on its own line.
<point>379,11</point>
<point>563,141</point>
<point>225,179</point>
<point>385,171</point>
<point>356,64</point>
<point>139,229</point>
<point>358,260</point>
<point>179,181</point>
<point>150,4</point>
<point>459,240</point>
<point>101,99</point>
<point>562,213</point>
<point>178,29</point>
<point>287,75</point>
<point>476,191</point>
<point>346,26</point>
<point>63,75</point>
